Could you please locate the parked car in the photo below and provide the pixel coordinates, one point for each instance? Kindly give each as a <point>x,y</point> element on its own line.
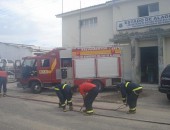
<point>7,64</point>
<point>165,81</point>
<point>11,76</point>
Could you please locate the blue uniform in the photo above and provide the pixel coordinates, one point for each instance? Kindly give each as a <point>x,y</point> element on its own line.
<point>130,92</point>
<point>64,94</point>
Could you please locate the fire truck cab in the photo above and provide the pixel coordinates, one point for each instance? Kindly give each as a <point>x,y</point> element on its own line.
<point>39,71</point>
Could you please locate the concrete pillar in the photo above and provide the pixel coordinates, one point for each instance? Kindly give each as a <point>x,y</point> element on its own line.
<point>135,61</point>
<point>160,55</point>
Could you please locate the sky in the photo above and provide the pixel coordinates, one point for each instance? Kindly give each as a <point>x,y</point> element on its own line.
<point>33,22</point>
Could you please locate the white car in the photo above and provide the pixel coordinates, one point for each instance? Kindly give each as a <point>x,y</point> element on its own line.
<point>7,64</point>
<point>11,76</point>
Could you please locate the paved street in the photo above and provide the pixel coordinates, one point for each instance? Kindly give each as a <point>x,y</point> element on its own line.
<point>20,114</point>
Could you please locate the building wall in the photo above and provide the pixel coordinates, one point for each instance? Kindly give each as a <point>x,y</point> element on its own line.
<point>148,43</point>
<point>129,10</point>
<point>95,35</point>
<point>126,64</point>
<point>127,61</point>
<point>12,52</point>
<point>106,29</point>
<point>70,31</point>
<point>166,51</point>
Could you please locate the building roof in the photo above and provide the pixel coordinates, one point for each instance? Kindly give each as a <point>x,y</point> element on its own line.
<point>34,49</point>
<point>91,8</point>
<point>100,6</point>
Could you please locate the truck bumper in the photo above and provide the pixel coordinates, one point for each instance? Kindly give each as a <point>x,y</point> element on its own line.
<point>164,90</point>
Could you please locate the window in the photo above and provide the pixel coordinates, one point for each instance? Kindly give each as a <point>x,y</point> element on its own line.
<point>143,11</point>
<point>66,62</point>
<point>29,62</point>
<point>88,22</point>
<point>154,7</point>
<point>148,10</point>
<point>45,62</point>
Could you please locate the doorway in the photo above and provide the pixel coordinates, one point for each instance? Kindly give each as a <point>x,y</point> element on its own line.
<point>149,64</point>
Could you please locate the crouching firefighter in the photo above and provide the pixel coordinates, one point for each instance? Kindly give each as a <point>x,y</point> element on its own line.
<point>89,92</point>
<point>130,92</point>
<point>64,93</point>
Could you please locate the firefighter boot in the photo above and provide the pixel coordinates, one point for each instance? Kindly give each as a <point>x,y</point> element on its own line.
<point>59,105</point>
<point>4,95</point>
<point>70,107</point>
<point>89,112</point>
<point>64,109</point>
<point>131,112</point>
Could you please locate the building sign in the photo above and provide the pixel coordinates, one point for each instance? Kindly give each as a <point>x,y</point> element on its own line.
<point>95,52</point>
<point>143,22</point>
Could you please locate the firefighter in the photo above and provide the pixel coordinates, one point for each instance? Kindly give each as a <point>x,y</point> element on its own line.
<point>89,92</point>
<point>3,81</point>
<point>64,93</point>
<point>130,92</point>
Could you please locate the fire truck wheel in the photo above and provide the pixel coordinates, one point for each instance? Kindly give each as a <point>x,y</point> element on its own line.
<point>36,87</point>
<point>168,96</point>
<point>99,84</point>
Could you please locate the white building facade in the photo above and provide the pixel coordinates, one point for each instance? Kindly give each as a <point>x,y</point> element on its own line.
<point>14,52</point>
<point>84,27</point>
<point>141,27</point>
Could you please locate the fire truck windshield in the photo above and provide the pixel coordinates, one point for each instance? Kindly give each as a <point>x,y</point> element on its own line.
<point>29,62</point>
<point>29,68</point>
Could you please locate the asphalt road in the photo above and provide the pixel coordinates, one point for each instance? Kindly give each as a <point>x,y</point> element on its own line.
<point>16,114</point>
<point>19,114</point>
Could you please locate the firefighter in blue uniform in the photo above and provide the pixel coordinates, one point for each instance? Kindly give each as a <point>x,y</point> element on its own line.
<point>64,93</point>
<point>130,92</point>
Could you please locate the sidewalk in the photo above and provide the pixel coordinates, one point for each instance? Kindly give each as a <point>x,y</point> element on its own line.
<point>150,86</point>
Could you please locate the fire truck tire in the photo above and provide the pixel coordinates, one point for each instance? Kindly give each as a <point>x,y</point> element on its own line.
<point>36,87</point>
<point>99,84</point>
<point>168,96</point>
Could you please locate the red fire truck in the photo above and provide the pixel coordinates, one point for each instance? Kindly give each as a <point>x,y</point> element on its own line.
<point>99,65</point>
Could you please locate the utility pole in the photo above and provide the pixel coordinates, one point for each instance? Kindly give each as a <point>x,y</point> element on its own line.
<point>62,6</point>
<point>80,26</point>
